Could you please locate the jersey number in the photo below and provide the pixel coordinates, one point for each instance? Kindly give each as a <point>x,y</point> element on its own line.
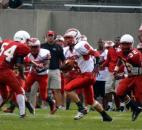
<point>2,47</point>
<point>132,53</point>
<point>9,53</point>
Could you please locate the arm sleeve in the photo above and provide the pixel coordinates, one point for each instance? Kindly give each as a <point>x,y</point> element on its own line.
<point>87,49</point>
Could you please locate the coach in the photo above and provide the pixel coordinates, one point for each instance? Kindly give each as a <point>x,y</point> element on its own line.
<point>57,58</point>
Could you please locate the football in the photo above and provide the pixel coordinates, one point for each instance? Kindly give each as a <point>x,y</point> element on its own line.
<point>68,65</point>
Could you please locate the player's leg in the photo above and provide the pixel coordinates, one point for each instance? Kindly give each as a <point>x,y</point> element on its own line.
<point>14,84</point>
<point>79,82</point>
<point>122,90</point>
<point>89,96</point>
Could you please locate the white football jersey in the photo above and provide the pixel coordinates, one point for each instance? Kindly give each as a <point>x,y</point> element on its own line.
<point>103,73</point>
<point>85,62</point>
<point>41,58</point>
<point>68,53</point>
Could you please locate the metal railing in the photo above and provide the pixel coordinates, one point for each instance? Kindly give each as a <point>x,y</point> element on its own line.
<point>102,6</point>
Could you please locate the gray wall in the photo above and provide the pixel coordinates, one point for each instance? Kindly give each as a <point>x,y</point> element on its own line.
<point>93,24</point>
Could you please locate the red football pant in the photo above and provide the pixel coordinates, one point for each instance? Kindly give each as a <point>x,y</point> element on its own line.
<point>85,81</point>
<point>131,84</point>
<point>41,79</point>
<point>8,78</point>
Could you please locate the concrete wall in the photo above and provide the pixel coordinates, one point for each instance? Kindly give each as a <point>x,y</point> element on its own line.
<point>34,21</point>
<point>94,25</point>
<point>13,20</point>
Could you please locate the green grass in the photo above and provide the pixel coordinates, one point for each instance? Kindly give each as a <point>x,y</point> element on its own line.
<point>63,120</point>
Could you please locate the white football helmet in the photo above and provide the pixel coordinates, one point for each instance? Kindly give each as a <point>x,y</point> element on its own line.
<point>59,38</point>
<point>33,42</point>
<point>21,36</point>
<point>127,38</point>
<point>126,42</point>
<point>139,46</point>
<point>108,44</point>
<point>73,32</point>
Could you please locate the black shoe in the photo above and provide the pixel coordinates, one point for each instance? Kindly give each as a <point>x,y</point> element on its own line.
<point>22,116</point>
<point>136,113</point>
<point>30,107</point>
<point>106,117</point>
<point>121,109</point>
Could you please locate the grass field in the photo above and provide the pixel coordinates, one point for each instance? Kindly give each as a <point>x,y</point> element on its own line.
<point>63,120</point>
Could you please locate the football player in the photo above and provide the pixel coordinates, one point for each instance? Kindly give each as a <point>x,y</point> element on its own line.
<point>12,55</point>
<point>83,56</point>
<point>131,58</point>
<point>39,73</point>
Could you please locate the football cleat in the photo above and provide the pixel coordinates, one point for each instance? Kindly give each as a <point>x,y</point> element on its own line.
<point>80,114</point>
<point>121,109</point>
<point>110,108</point>
<point>106,117</point>
<point>23,116</point>
<point>61,108</point>
<point>136,113</point>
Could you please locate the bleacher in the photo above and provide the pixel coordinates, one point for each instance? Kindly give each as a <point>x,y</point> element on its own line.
<point>131,6</point>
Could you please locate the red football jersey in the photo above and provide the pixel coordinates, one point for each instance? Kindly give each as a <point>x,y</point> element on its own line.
<point>134,57</point>
<point>111,60</point>
<point>10,50</point>
<point>6,42</point>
